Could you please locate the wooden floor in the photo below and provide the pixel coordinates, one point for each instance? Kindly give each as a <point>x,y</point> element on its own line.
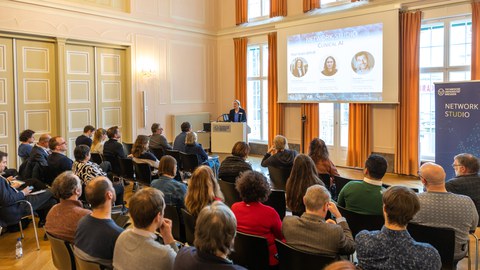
<point>41,259</point>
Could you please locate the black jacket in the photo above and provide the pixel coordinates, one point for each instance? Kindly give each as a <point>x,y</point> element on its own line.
<point>242,116</point>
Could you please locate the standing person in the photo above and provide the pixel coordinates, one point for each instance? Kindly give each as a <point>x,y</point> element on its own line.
<point>179,143</point>
<point>85,138</point>
<point>99,138</point>
<point>26,139</point>
<point>157,139</point>
<point>237,114</point>
<point>235,164</point>
<point>57,161</point>
<point>279,155</point>
<point>318,151</point>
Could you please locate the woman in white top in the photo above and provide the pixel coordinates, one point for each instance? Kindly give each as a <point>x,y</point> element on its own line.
<point>99,139</point>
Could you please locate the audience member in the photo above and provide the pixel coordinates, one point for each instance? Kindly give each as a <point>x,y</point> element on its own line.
<point>85,138</point>
<point>312,233</point>
<point>63,218</point>
<point>10,210</point>
<point>303,176</point>
<point>440,208</point>
<point>466,180</point>
<point>192,147</point>
<point>392,247</point>
<point>365,197</point>
<point>37,160</point>
<point>141,154</point>
<point>235,164</point>
<point>173,190</point>
<point>97,233</point>
<point>203,189</point>
<point>214,238</point>
<point>26,139</point>
<point>138,247</point>
<point>157,139</point>
<point>112,149</point>
<point>57,161</point>
<point>279,155</point>
<point>318,151</point>
<point>99,138</point>
<point>252,215</point>
<point>179,143</point>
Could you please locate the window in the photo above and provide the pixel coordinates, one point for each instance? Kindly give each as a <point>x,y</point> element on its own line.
<point>257,91</point>
<point>258,9</point>
<point>334,2</point>
<point>334,130</point>
<point>445,55</point>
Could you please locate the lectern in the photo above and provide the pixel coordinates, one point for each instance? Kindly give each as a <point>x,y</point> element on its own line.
<point>226,134</point>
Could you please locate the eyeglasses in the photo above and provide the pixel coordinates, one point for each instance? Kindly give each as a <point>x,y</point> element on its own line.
<point>455,165</point>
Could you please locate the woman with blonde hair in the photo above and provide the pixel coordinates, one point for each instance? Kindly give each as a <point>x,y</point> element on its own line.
<point>141,154</point>
<point>203,189</point>
<point>99,138</point>
<point>279,156</point>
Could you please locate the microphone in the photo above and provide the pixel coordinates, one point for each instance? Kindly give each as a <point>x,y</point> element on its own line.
<point>223,117</point>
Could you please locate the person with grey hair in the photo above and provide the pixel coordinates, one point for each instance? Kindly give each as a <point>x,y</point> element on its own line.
<point>193,147</point>
<point>215,231</point>
<point>279,155</point>
<point>312,233</point>
<point>466,180</point>
<point>63,218</point>
<point>440,208</point>
<point>158,139</point>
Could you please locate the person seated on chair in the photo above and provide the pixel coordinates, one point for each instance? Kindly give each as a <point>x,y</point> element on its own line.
<point>192,147</point>
<point>11,211</point>
<point>99,138</point>
<point>440,208</point>
<point>87,170</point>
<point>318,151</point>
<point>63,218</point>
<point>466,180</point>
<point>235,164</point>
<point>252,215</point>
<point>279,155</point>
<point>179,143</point>
<point>312,233</point>
<point>392,247</point>
<point>365,197</point>
<point>214,238</point>
<point>157,139</point>
<point>57,161</point>
<point>26,139</point>
<point>173,190</point>
<point>303,176</point>
<point>203,189</point>
<point>139,247</point>
<point>112,149</point>
<point>141,154</point>
<point>97,233</point>
<point>38,158</point>
<point>86,137</point>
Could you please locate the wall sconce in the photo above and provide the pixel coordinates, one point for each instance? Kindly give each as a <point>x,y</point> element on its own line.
<point>146,73</point>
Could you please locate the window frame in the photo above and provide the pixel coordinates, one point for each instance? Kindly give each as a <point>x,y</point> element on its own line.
<point>262,16</point>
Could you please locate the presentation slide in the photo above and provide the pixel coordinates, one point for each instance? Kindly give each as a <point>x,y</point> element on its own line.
<point>343,64</point>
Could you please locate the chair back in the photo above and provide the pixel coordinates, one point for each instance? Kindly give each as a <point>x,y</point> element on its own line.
<point>86,265</point>
<point>127,148</point>
<point>292,259</point>
<point>143,173</point>
<point>339,182</point>
<point>176,155</point>
<point>442,239</point>
<point>189,162</point>
<point>358,222</point>
<point>229,192</point>
<point>189,221</point>
<point>325,177</point>
<point>178,228</point>
<point>279,176</point>
<point>278,202</point>
<point>158,152</point>
<point>251,251</point>
<point>115,164</point>
<point>62,254</point>
<point>126,168</point>
<point>96,158</point>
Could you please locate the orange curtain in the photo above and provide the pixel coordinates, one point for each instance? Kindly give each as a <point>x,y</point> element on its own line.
<point>241,9</point>
<point>278,8</point>
<point>475,40</point>
<point>310,111</point>
<point>407,112</point>
<point>359,134</point>
<point>241,70</point>
<point>310,5</point>
<point>275,110</point>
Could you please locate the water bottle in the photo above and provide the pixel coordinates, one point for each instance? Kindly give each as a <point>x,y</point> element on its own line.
<point>18,249</point>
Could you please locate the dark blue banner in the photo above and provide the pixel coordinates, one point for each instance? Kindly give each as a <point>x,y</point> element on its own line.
<point>457,122</point>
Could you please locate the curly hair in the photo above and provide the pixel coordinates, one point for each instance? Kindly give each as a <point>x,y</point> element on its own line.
<point>318,150</point>
<point>303,175</point>
<point>140,146</point>
<point>202,190</point>
<point>25,135</point>
<point>65,184</point>
<point>253,187</point>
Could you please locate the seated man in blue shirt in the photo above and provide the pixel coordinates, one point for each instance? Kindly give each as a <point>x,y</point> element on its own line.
<point>392,247</point>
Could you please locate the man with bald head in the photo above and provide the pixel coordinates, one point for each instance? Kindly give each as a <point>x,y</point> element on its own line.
<point>440,208</point>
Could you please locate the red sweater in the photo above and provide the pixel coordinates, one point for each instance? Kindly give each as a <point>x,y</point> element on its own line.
<point>258,219</point>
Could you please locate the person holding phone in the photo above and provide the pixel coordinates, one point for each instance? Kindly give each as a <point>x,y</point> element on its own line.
<point>237,114</point>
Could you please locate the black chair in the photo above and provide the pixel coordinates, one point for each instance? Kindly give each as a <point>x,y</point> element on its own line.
<point>96,158</point>
<point>358,222</point>
<point>178,228</point>
<point>292,259</point>
<point>158,152</point>
<point>126,168</point>
<point>176,155</point>
<point>251,251</point>
<point>31,215</point>
<point>279,176</point>
<point>442,239</point>
<point>127,147</point>
<point>62,253</point>
<point>340,182</point>
<point>143,173</point>
<point>229,192</point>
<point>386,186</point>
<point>115,164</point>
<point>325,177</point>
<point>278,202</point>
<point>189,221</point>
<point>189,162</point>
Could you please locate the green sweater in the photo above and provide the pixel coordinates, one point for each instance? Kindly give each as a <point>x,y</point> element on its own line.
<point>361,197</point>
